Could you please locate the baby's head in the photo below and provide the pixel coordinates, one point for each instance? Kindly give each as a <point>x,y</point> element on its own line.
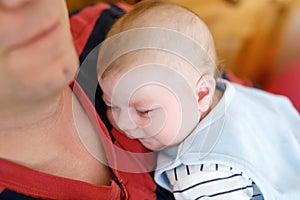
<point>166,15</point>
<point>166,68</point>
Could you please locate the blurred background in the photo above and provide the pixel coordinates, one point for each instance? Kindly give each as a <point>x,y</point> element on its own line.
<point>256,40</point>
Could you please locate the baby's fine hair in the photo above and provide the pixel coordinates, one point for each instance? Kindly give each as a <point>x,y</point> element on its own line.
<point>168,15</point>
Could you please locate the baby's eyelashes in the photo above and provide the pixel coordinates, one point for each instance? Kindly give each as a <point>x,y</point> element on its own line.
<point>144,112</point>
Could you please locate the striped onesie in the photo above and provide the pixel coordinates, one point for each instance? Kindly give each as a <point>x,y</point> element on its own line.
<point>247,147</point>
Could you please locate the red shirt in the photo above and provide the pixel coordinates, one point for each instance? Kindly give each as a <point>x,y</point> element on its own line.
<point>22,180</point>
<point>88,27</point>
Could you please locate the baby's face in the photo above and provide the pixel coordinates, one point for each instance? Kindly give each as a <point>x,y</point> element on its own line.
<point>152,114</point>
<point>150,99</point>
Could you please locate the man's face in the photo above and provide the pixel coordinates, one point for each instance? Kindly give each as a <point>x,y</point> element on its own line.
<point>37,54</point>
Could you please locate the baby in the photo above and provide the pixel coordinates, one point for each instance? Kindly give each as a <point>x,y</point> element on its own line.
<point>216,140</point>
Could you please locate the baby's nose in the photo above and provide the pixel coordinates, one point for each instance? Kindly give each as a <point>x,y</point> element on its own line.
<point>125,122</point>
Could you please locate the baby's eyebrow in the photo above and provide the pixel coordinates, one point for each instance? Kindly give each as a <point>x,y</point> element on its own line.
<point>146,103</point>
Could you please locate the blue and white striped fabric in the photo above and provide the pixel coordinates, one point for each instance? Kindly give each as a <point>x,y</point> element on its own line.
<point>211,181</point>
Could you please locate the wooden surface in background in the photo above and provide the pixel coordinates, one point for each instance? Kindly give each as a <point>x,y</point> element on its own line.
<point>246,32</point>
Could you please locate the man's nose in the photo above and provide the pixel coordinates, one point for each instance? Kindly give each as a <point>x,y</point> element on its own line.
<point>13,4</point>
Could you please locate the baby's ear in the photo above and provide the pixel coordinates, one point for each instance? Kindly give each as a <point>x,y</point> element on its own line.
<point>204,91</point>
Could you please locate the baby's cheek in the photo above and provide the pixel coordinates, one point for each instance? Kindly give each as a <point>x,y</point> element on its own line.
<point>111,119</point>
<point>169,134</point>
<point>141,122</point>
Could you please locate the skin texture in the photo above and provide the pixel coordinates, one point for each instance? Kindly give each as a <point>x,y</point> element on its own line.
<point>149,118</point>
<point>152,113</point>
<point>38,61</point>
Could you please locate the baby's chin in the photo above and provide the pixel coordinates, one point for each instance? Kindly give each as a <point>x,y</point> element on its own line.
<point>152,144</point>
